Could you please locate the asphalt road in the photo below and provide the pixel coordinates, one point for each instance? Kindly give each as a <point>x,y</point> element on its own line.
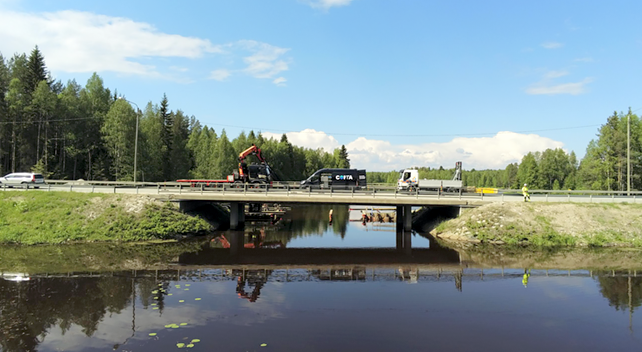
<point>294,195</point>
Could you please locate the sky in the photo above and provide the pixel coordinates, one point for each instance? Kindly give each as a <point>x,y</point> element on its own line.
<point>399,83</point>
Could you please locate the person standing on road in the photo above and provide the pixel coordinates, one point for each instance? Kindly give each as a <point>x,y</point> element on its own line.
<point>527,197</point>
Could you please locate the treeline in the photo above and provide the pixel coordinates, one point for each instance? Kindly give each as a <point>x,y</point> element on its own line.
<point>67,131</point>
<point>603,168</point>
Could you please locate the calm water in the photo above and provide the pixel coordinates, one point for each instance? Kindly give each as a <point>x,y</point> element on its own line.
<point>311,286</point>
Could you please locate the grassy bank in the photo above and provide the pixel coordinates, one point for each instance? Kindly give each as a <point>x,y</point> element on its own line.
<point>547,224</point>
<point>61,217</point>
<point>94,257</point>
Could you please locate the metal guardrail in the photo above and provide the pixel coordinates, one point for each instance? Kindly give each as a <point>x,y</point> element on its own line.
<point>294,189</point>
<point>296,185</point>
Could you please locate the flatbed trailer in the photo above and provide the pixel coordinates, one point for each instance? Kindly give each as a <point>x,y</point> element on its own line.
<point>207,183</point>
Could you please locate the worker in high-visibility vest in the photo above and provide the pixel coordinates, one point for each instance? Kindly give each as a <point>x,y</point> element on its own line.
<point>527,275</point>
<point>527,197</point>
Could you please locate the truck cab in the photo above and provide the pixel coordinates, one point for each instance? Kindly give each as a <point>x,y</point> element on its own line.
<point>336,178</point>
<point>407,179</point>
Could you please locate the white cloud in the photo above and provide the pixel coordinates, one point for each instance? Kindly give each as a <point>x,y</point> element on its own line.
<point>266,60</point>
<point>220,75</point>
<point>481,153</point>
<point>75,41</point>
<point>326,4</point>
<point>260,60</point>
<point>179,69</point>
<point>576,88</point>
<point>552,45</point>
<point>280,81</point>
<point>308,138</point>
<point>379,155</point>
<point>555,74</point>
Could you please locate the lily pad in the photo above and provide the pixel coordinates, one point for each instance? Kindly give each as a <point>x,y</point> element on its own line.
<point>264,345</point>
<point>181,301</point>
<point>195,340</point>
<point>183,324</point>
<point>197,299</point>
<point>190,345</point>
<point>152,334</point>
<point>180,345</point>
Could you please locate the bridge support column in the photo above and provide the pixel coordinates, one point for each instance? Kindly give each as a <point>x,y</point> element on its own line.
<point>237,215</point>
<point>237,242</point>
<point>404,241</point>
<point>407,242</point>
<point>399,218</point>
<point>407,218</point>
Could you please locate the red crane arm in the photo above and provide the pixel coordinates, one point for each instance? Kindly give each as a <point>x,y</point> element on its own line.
<point>251,150</point>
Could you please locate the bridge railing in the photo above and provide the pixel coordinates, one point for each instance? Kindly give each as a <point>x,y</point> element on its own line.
<point>294,188</point>
<point>572,192</point>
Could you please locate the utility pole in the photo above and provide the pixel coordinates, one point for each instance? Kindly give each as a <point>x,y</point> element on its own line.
<point>628,153</point>
<point>136,139</point>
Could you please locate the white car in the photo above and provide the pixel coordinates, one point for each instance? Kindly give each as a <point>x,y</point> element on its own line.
<point>22,179</point>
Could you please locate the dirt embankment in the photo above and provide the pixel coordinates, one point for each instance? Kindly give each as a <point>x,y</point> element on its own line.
<point>599,225</point>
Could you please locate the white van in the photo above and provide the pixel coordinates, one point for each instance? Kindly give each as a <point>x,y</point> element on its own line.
<point>22,179</point>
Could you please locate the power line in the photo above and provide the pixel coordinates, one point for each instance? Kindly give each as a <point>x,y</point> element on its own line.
<point>405,135</point>
<point>328,133</point>
<point>47,121</point>
<point>339,133</point>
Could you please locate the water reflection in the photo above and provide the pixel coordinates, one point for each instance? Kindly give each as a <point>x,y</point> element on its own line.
<point>45,306</point>
<point>234,291</point>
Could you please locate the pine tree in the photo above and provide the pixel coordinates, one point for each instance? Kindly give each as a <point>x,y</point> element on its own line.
<point>342,160</point>
<point>37,71</point>
<point>166,118</point>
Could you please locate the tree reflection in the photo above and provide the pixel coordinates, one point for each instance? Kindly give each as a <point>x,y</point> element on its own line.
<point>313,221</point>
<point>30,309</point>
<point>623,292</point>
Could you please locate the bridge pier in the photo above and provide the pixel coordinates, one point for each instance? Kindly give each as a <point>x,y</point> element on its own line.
<point>237,215</point>
<point>237,241</point>
<point>404,241</point>
<point>404,217</point>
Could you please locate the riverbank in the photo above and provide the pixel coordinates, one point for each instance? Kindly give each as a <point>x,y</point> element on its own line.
<point>59,217</point>
<point>547,224</point>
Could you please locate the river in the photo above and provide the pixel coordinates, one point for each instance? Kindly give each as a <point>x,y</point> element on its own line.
<point>309,285</point>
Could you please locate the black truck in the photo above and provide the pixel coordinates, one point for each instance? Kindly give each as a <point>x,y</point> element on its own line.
<point>337,179</point>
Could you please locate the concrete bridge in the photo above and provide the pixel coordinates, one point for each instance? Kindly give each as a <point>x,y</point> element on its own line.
<point>237,196</point>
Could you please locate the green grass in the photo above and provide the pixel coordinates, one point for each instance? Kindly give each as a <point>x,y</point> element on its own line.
<point>53,217</point>
<point>91,257</point>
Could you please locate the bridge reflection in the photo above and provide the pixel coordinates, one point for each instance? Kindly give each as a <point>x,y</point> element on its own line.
<point>240,249</point>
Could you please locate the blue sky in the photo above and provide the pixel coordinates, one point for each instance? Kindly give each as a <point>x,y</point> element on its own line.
<point>400,83</point>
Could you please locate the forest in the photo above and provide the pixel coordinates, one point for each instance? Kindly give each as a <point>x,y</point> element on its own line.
<point>66,131</point>
<point>69,131</point>
<point>604,167</point>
